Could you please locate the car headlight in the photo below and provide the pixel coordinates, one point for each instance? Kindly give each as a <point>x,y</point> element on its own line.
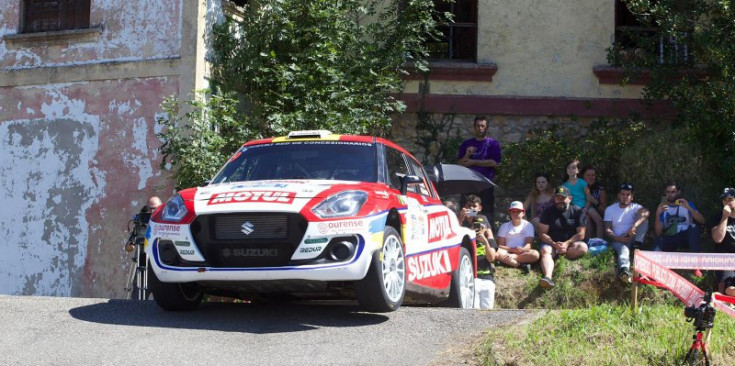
<point>342,204</point>
<point>175,209</point>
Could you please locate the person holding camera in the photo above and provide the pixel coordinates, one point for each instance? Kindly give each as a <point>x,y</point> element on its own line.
<point>723,234</point>
<point>626,223</point>
<point>514,240</point>
<point>561,230</point>
<point>677,221</point>
<point>487,247</point>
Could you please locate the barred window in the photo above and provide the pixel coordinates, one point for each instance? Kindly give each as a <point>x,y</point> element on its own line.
<point>46,15</point>
<point>458,40</point>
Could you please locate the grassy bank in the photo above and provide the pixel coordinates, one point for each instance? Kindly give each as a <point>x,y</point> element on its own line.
<point>607,335</point>
<point>588,320</point>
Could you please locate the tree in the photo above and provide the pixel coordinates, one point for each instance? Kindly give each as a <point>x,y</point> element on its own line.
<point>702,89</point>
<point>286,65</point>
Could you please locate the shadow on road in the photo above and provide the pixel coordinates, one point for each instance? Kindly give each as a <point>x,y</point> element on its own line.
<point>229,317</point>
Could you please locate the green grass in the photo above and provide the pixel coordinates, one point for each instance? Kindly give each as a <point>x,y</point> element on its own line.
<point>588,320</point>
<point>606,335</point>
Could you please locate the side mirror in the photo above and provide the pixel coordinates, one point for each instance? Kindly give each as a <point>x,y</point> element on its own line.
<point>206,182</point>
<point>432,172</point>
<point>409,179</point>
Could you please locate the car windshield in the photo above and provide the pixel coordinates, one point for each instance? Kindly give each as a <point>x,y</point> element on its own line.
<point>333,160</point>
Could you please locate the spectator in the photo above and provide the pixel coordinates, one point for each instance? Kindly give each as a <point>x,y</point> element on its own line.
<point>676,223</point>
<point>723,234</point>
<point>582,198</point>
<point>562,228</point>
<point>589,174</point>
<point>487,247</point>
<point>514,240</point>
<point>625,222</point>
<point>153,203</point>
<point>540,197</point>
<point>481,154</point>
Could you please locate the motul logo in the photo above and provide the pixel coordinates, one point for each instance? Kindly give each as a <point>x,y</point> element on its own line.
<point>252,196</point>
<point>439,227</point>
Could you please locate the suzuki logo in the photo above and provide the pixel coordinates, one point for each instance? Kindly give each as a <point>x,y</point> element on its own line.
<point>247,228</point>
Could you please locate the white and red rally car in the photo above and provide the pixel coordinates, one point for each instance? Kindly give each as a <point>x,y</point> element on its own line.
<point>312,214</point>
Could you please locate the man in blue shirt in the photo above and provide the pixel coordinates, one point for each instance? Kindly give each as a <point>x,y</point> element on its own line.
<point>481,154</point>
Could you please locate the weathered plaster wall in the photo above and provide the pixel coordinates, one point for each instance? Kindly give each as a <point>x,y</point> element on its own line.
<point>131,30</point>
<point>543,49</point>
<point>78,160</point>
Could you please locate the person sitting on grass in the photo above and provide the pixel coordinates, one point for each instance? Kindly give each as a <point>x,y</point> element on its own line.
<point>626,223</point>
<point>514,240</point>
<point>540,197</point>
<point>562,230</point>
<point>470,217</point>
<point>723,234</point>
<point>582,198</point>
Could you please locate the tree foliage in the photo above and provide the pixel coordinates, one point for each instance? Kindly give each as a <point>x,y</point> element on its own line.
<point>330,64</point>
<point>703,88</point>
<point>285,65</point>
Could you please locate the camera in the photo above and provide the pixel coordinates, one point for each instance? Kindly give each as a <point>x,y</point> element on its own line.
<point>472,213</point>
<point>703,316</point>
<point>142,217</point>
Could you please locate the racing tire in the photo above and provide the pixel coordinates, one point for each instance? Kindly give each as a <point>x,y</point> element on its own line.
<point>174,296</point>
<point>462,288</point>
<point>383,288</point>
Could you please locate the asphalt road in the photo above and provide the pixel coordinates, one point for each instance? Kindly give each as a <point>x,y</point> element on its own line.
<point>75,331</point>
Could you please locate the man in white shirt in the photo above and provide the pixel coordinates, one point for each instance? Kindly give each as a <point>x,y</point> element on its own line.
<point>514,240</point>
<point>625,222</point>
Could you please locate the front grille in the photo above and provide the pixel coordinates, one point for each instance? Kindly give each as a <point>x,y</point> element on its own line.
<point>252,239</point>
<point>249,227</point>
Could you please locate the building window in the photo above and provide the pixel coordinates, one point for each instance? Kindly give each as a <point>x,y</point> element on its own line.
<point>458,39</point>
<point>644,44</point>
<point>47,16</point>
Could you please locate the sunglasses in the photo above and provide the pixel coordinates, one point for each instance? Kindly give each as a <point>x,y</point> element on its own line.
<point>626,187</point>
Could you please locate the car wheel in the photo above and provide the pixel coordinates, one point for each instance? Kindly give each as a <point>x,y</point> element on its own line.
<point>462,290</point>
<point>384,286</point>
<point>174,296</point>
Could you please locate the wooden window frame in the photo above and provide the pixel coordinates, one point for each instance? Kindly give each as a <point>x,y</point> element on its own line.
<point>453,29</point>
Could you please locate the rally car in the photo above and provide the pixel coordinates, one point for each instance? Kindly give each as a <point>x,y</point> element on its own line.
<point>315,215</point>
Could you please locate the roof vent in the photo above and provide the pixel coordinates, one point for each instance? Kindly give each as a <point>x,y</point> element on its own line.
<point>309,134</point>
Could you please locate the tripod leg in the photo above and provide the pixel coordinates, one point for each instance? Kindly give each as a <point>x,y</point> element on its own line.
<point>130,285</point>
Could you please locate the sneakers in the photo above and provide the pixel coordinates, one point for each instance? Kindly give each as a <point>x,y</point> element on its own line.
<point>526,268</point>
<point>697,273</point>
<point>546,282</point>
<point>625,275</point>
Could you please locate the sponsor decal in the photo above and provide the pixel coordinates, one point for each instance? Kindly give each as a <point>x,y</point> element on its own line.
<point>440,227</point>
<point>249,252</point>
<point>340,226</point>
<point>428,265</point>
<point>252,196</point>
<point>186,252</point>
<point>311,250</point>
<point>182,243</point>
<point>166,230</point>
<point>316,241</point>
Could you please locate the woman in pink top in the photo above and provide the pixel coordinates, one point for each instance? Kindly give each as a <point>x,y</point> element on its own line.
<point>540,197</point>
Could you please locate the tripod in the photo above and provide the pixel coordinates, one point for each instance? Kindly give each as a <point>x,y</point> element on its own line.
<point>137,284</point>
<point>703,318</point>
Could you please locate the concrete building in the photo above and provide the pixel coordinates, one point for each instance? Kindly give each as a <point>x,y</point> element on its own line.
<point>81,84</point>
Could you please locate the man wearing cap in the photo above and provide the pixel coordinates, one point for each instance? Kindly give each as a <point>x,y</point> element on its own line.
<point>514,240</point>
<point>723,234</point>
<point>561,230</point>
<point>625,222</point>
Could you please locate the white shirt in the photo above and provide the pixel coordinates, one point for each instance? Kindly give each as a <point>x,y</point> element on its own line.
<point>515,236</point>
<point>622,218</point>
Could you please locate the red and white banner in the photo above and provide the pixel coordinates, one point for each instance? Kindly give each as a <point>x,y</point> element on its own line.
<point>655,266</point>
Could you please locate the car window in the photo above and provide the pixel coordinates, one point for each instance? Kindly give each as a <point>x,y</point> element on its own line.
<point>330,160</point>
<point>396,167</point>
<point>421,188</point>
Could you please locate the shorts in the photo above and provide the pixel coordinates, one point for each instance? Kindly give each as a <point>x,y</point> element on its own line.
<point>554,253</point>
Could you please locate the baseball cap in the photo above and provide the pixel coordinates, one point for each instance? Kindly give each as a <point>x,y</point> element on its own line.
<point>516,205</point>
<point>728,192</point>
<point>625,186</point>
<point>562,191</point>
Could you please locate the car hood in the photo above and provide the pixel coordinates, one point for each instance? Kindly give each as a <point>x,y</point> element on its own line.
<point>265,196</point>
